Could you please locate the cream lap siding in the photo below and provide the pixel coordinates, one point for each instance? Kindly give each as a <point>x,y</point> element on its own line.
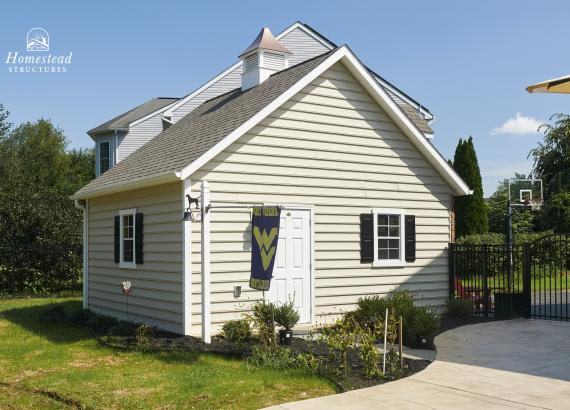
<point>332,147</point>
<point>302,46</point>
<point>157,284</point>
<point>138,135</point>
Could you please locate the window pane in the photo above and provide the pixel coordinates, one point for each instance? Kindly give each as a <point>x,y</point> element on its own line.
<point>394,243</point>
<point>382,231</point>
<point>104,157</point>
<point>382,219</point>
<point>104,165</point>
<point>382,253</point>
<point>395,220</point>
<point>394,254</point>
<point>382,243</point>
<point>395,231</point>
<point>128,250</point>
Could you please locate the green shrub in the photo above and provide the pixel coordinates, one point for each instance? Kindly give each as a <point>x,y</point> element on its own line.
<point>263,319</point>
<point>272,357</point>
<point>144,334</point>
<point>459,308</point>
<point>287,316</point>
<point>426,323</point>
<point>237,331</point>
<point>371,309</point>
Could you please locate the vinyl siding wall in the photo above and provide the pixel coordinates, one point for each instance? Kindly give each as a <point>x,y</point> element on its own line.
<point>138,135</point>
<point>332,147</point>
<point>157,284</point>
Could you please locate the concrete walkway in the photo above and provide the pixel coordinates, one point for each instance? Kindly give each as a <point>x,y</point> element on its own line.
<point>515,364</point>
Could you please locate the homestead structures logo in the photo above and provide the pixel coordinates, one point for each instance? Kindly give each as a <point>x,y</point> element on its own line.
<point>37,39</point>
<point>34,60</point>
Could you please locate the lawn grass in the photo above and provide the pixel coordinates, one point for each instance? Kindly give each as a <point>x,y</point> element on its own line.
<point>46,365</point>
<point>547,282</point>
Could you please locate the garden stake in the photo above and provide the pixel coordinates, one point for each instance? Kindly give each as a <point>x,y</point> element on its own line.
<point>385,334</point>
<point>400,337</point>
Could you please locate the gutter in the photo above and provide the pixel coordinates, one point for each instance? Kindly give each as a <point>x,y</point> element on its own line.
<point>82,204</point>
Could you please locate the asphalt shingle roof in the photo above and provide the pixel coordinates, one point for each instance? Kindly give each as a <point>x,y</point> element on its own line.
<point>185,141</point>
<point>123,120</point>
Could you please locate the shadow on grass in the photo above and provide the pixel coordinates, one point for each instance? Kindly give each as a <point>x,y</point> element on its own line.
<point>30,319</point>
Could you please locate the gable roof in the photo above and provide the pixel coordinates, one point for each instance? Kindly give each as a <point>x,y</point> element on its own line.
<point>124,120</point>
<point>408,104</point>
<point>194,140</point>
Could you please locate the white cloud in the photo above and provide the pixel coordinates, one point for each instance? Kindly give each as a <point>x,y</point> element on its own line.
<point>519,125</point>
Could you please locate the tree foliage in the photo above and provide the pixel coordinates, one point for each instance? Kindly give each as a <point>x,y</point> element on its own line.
<point>556,213</point>
<point>37,175</point>
<point>552,156</point>
<point>470,211</point>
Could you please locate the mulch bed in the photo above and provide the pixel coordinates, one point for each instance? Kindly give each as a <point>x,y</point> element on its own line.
<point>349,380</point>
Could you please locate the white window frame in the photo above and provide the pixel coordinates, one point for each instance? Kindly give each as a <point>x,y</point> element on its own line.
<point>98,166</point>
<point>122,263</point>
<point>381,263</point>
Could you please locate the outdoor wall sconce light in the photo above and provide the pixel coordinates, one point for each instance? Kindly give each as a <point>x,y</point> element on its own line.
<point>193,214</point>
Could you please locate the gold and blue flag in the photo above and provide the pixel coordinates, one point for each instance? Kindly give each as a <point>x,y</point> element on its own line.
<point>264,237</point>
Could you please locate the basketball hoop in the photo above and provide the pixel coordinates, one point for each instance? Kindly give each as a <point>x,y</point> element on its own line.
<point>534,204</point>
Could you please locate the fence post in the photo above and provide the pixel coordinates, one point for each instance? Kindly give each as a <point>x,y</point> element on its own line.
<point>486,298</point>
<point>451,261</point>
<point>527,281</point>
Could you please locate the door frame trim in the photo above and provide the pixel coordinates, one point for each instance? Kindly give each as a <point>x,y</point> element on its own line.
<point>311,209</point>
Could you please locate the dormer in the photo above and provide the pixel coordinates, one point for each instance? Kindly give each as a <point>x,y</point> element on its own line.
<point>265,56</point>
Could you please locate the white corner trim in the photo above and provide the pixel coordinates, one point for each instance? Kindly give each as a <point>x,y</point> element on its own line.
<point>186,262</point>
<point>366,79</point>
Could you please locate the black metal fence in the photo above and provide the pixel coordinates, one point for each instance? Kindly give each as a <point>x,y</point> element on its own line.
<point>530,280</point>
<point>489,275</point>
<point>27,270</point>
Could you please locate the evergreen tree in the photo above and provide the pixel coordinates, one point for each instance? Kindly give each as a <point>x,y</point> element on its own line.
<point>470,211</point>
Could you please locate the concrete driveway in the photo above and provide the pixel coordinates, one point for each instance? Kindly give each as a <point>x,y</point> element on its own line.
<point>515,364</point>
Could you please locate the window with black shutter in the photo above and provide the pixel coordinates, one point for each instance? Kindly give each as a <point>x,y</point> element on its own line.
<point>410,242</point>
<point>139,234</point>
<point>128,238</point>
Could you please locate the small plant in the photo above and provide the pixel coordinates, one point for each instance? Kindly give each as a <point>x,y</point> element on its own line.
<point>339,338</point>
<point>426,323</point>
<point>263,319</point>
<point>287,316</point>
<point>460,308</point>
<point>143,335</point>
<point>237,331</point>
<point>272,357</point>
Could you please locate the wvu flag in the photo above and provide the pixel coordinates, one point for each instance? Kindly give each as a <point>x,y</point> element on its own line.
<point>264,236</point>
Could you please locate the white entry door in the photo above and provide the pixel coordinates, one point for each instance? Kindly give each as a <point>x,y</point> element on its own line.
<point>292,269</point>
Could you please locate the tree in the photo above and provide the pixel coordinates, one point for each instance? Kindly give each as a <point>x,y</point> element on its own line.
<point>523,220</point>
<point>552,156</point>
<point>4,124</point>
<point>470,211</point>
<point>36,178</point>
<point>556,213</point>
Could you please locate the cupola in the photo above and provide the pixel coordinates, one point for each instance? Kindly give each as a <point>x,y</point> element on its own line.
<point>262,58</point>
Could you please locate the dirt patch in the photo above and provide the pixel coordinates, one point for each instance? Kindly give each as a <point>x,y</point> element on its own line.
<point>83,361</point>
<point>139,392</point>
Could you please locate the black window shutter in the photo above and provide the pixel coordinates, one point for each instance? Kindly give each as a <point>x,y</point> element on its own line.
<point>139,234</point>
<point>410,238</point>
<point>366,238</point>
<point>117,239</point>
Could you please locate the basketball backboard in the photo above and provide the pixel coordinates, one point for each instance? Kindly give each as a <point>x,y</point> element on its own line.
<point>526,193</point>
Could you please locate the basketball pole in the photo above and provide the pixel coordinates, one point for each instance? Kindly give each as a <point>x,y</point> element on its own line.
<point>509,241</point>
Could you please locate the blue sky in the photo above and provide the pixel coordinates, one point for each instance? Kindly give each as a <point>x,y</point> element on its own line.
<point>468,62</point>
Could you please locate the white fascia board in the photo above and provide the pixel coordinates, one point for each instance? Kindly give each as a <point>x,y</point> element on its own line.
<point>362,74</point>
<point>129,185</point>
<point>405,124</point>
<point>307,30</point>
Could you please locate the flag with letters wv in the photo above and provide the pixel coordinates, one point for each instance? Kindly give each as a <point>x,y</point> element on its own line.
<point>264,236</point>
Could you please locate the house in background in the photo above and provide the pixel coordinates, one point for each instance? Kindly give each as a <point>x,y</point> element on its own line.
<point>366,199</point>
<point>117,138</point>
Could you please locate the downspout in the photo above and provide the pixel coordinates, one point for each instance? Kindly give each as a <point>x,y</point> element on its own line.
<point>115,148</point>
<point>82,204</point>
